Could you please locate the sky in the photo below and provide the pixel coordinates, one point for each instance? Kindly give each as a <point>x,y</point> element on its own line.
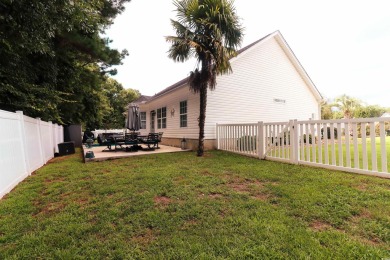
<point>343,45</point>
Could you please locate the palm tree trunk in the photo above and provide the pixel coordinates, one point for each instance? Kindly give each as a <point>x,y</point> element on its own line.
<point>202,117</point>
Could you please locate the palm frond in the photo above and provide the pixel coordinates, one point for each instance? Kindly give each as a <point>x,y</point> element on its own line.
<point>211,31</point>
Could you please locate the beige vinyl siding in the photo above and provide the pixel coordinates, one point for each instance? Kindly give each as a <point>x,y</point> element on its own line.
<point>260,75</point>
<point>172,100</point>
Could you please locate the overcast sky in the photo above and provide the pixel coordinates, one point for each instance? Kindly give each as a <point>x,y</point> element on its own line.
<point>343,45</point>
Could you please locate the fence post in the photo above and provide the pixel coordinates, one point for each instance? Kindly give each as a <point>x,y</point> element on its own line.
<point>40,145</point>
<point>51,139</point>
<point>56,138</point>
<point>62,135</point>
<point>294,141</point>
<point>24,142</point>
<point>217,135</point>
<point>260,139</point>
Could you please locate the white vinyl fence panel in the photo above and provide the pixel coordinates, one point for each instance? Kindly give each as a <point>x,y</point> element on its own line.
<point>239,138</point>
<point>33,143</point>
<point>26,144</point>
<point>47,140</point>
<point>352,145</point>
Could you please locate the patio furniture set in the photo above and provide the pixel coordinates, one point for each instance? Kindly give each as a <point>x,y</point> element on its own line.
<point>131,142</point>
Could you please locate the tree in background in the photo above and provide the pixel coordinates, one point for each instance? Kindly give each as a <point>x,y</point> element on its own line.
<point>210,31</point>
<point>347,105</point>
<point>369,111</point>
<point>53,60</point>
<point>326,110</point>
<point>118,98</point>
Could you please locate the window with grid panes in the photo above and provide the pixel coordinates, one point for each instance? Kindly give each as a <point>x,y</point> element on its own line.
<point>183,113</point>
<point>143,120</point>
<point>162,118</point>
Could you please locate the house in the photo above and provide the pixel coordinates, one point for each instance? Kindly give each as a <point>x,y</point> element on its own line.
<point>267,84</point>
<point>387,114</point>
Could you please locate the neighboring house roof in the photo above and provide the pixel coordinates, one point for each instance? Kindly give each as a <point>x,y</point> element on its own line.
<point>285,47</point>
<point>386,115</point>
<point>142,99</point>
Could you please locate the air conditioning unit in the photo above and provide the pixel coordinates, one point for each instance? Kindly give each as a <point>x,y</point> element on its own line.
<point>66,148</point>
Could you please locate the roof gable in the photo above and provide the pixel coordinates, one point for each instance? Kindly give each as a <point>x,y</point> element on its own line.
<point>279,38</point>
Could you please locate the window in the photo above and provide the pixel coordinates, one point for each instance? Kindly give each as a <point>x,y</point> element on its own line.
<point>143,120</point>
<point>162,117</point>
<point>183,113</point>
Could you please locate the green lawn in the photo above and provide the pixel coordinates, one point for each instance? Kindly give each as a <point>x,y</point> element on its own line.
<point>360,151</point>
<point>315,149</point>
<point>179,206</point>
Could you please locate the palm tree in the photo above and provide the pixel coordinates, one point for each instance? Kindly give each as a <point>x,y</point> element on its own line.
<point>347,105</point>
<point>210,31</point>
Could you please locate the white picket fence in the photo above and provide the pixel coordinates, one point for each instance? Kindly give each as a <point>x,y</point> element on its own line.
<point>26,144</point>
<point>354,145</point>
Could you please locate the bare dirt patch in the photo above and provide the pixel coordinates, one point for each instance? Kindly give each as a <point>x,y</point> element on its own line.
<point>363,214</point>
<point>261,197</point>
<point>145,237</point>
<point>58,159</point>
<point>82,201</point>
<point>49,208</point>
<point>207,155</point>
<point>189,224</point>
<point>65,195</point>
<point>162,201</point>
<point>362,187</point>
<point>371,240</point>
<point>224,212</point>
<point>60,179</point>
<point>245,185</point>
<point>215,195</point>
<point>239,187</point>
<point>206,173</point>
<point>180,180</point>
<point>318,225</point>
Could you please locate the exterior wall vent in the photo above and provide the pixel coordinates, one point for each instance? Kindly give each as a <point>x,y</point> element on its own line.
<point>279,101</point>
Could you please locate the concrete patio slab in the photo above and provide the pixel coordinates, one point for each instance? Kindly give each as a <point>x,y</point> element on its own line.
<point>102,156</point>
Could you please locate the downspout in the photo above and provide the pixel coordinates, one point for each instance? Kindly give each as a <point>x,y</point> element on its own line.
<point>319,109</point>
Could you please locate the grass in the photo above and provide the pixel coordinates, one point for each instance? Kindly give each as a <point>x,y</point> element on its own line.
<point>315,149</point>
<point>179,206</point>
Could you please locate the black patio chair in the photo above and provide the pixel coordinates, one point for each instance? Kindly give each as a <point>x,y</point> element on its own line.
<point>132,139</point>
<point>151,141</point>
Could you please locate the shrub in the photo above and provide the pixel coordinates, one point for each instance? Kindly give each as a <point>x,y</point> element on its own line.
<point>310,139</point>
<point>387,128</point>
<point>280,140</point>
<point>247,143</point>
<point>328,132</point>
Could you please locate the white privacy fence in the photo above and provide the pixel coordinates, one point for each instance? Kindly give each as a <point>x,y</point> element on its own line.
<point>101,131</point>
<point>26,144</point>
<point>354,145</point>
